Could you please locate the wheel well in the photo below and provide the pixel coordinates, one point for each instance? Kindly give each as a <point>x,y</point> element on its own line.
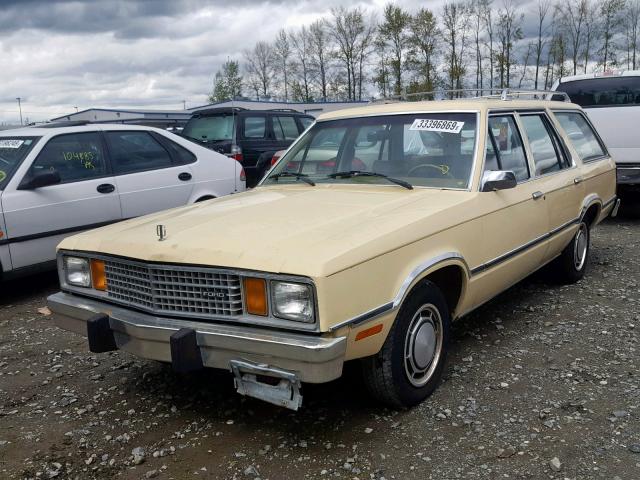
<point>449,280</point>
<point>591,214</point>
<point>205,197</point>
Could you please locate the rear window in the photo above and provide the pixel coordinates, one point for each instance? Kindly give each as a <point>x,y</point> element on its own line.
<point>210,129</point>
<point>603,92</point>
<point>581,135</point>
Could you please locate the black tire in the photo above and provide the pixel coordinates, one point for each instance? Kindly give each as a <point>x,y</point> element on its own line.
<point>571,265</point>
<point>387,374</point>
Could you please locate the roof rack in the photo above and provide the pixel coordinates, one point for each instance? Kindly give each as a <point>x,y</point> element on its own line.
<point>64,123</point>
<point>497,93</point>
<point>284,110</point>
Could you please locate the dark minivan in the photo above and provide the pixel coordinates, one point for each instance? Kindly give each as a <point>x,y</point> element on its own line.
<point>249,136</point>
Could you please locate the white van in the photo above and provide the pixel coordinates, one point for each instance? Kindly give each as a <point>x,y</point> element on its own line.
<point>612,102</point>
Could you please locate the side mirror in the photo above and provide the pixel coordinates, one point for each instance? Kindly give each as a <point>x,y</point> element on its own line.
<point>41,179</point>
<point>498,180</point>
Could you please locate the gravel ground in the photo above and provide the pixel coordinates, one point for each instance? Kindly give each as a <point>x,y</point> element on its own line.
<point>542,382</point>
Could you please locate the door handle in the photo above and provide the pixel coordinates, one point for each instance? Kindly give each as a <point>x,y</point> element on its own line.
<point>537,195</point>
<point>106,188</point>
<point>185,176</point>
<point>577,180</point>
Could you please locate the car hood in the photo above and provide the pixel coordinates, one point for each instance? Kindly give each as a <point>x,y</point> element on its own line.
<point>302,230</point>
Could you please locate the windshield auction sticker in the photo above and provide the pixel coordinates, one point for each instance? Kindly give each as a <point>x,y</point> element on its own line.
<point>431,125</point>
<point>2,175</point>
<point>10,143</point>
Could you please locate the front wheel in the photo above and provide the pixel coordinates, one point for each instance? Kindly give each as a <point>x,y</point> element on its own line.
<point>572,262</point>
<point>409,366</point>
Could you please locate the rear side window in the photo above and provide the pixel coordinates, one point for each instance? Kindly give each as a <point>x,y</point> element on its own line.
<point>506,151</point>
<point>255,127</point>
<point>285,128</point>
<point>75,156</point>
<point>581,135</point>
<point>136,152</point>
<point>181,154</point>
<point>547,153</point>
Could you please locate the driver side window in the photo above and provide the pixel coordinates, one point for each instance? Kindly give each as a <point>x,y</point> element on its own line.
<point>75,156</point>
<point>504,148</point>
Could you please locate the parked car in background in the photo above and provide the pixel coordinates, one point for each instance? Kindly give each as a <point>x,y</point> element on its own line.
<point>379,227</point>
<point>57,180</point>
<point>249,136</point>
<point>612,102</point>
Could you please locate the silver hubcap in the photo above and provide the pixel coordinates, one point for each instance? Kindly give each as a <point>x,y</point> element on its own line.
<point>423,345</point>
<point>580,246</point>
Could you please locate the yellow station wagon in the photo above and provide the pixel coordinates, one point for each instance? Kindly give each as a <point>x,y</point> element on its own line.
<point>378,227</point>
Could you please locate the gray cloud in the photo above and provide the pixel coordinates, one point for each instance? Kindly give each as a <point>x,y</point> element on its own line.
<point>57,55</point>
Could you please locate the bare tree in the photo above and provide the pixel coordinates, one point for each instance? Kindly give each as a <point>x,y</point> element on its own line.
<point>478,9</point>
<point>572,15</point>
<point>590,31</point>
<point>363,49</point>
<point>456,19</point>
<point>543,10</point>
<point>281,57</point>
<point>490,29</point>
<point>260,67</point>
<point>631,25</point>
<point>320,45</point>
<point>525,63</point>
<point>611,20</point>
<point>302,51</point>
<point>423,53</point>
<point>509,31</point>
<point>347,27</point>
<point>394,32</point>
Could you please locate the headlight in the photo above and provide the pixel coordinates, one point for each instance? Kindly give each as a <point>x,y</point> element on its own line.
<point>77,271</point>
<point>292,301</point>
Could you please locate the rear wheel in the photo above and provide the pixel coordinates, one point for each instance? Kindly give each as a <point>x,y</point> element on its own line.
<point>409,366</point>
<point>572,262</point>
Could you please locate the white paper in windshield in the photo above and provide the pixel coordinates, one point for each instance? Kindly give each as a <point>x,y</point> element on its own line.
<point>432,125</point>
<point>11,143</point>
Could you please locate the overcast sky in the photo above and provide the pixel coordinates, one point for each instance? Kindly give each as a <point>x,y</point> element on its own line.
<point>58,55</point>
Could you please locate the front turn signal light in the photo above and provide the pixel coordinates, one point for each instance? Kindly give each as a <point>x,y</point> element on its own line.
<point>255,293</point>
<point>98,277</point>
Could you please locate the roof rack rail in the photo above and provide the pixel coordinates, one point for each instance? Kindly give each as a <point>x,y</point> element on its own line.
<point>65,123</point>
<point>474,93</point>
<point>284,110</point>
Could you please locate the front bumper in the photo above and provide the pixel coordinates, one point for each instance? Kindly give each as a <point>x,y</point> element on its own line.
<point>313,359</point>
<point>628,174</point>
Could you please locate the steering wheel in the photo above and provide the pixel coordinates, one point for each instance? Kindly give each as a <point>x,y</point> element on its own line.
<point>443,169</point>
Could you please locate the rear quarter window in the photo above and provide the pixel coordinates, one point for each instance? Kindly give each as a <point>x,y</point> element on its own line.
<point>581,135</point>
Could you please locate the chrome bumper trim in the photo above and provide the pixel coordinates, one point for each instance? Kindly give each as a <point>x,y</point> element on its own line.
<point>315,359</point>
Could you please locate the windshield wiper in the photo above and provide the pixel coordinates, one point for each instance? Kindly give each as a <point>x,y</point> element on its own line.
<point>361,173</point>
<point>299,176</point>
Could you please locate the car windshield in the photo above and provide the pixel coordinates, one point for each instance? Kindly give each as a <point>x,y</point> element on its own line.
<point>427,149</point>
<point>13,151</point>
<point>213,128</point>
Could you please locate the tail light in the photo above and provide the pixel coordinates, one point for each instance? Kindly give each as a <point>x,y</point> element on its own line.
<point>243,176</point>
<point>276,157</point>
<point>236,153</point>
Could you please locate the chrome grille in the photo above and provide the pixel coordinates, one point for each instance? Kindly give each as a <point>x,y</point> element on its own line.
<point>193,292</point>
